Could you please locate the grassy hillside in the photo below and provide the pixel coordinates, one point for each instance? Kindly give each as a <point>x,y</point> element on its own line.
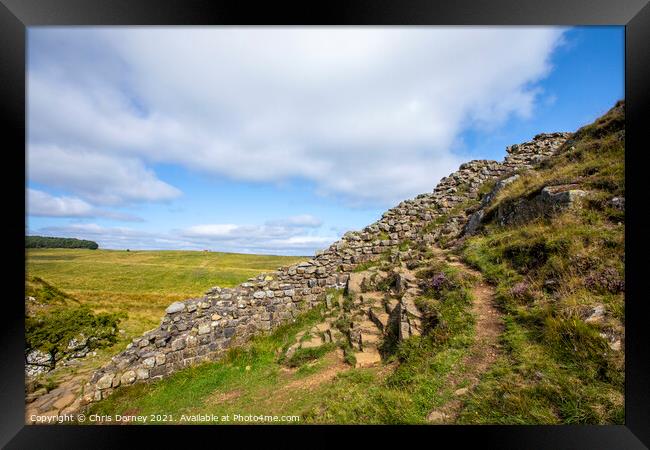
<point>139,283</point>
<point>560,285</point>
<point>552,288</point>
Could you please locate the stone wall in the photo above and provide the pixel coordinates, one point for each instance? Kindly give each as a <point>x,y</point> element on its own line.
<point>201,329</point>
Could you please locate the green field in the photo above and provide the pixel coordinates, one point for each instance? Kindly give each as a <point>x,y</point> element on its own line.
<point>143,283</point>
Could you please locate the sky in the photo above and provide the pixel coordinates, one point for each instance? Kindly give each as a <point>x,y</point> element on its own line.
<point>277,140</point>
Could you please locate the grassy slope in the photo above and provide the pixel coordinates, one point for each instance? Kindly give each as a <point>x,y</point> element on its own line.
<point>549,275</point>
<point>140,283</point>
<point>556,368</point>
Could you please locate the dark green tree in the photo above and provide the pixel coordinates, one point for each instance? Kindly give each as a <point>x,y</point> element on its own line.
<point>58,242</point>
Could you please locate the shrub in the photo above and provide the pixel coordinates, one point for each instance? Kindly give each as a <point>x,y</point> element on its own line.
<point>52,331</point>
<point>608,280</point>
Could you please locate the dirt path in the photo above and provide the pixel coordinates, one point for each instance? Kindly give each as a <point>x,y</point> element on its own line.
<point>484,350</point>
<point>315,380</point>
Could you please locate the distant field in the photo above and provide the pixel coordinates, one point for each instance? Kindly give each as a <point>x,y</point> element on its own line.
<point>143,283</point>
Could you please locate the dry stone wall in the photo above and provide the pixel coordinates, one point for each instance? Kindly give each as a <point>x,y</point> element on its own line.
<point>201,329</point>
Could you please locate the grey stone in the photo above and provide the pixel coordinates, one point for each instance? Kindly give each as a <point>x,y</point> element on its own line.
<point>149,362</point>
<point>178,344</point>
<point>175,307</point>
<point>596,314</point>
<point>474,222</point>
<point>160,359</point>
<point>105,382</point>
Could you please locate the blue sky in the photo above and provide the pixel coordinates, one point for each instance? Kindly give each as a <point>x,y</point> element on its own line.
<point>276,140</point>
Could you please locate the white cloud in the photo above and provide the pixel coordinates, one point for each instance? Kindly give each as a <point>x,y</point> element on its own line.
<point>367,114</point>
<point>290,234</point>
<point>97,177</point>
<point>301,220</point>
<point>43,204</point>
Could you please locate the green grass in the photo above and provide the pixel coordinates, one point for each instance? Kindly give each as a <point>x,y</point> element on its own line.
<point>170,272</point>
<point>144,282</point>
<point>558,369</point>
<point>305,355</point>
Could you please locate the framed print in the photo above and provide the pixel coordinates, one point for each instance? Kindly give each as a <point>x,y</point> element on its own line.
<point>358,217</point>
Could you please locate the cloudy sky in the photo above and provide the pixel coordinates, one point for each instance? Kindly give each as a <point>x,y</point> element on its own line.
<point>277,140</point>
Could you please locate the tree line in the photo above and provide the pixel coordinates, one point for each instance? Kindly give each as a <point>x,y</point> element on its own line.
<point>58,242</point>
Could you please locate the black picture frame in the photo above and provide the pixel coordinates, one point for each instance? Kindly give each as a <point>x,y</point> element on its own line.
<point>16,15</point>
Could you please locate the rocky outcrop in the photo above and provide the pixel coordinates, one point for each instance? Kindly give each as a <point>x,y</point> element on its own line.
<point>37,362</point>
<point>551,200</point>
<point>201,329</point>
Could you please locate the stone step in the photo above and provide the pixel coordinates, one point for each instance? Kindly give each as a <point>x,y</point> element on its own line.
<point>368,326</point>
<point>369,334</point>
<point>416,327</point>
<point>354,282</point>
<point>404,280</point>
<point>314,341</point>
<point>355,339</point>
<point>369,340</point>
<point>373,298</point>
<point>379,318</point>
<point>367,359</point>
<point>322,327</point>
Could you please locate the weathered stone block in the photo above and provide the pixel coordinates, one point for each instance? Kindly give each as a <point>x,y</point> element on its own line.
<point>175,307</point>
<point>160,359</point>
<point>191,341</point>
<point>105,382</point>
<point>178,344</point>
<point>149,362</point>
